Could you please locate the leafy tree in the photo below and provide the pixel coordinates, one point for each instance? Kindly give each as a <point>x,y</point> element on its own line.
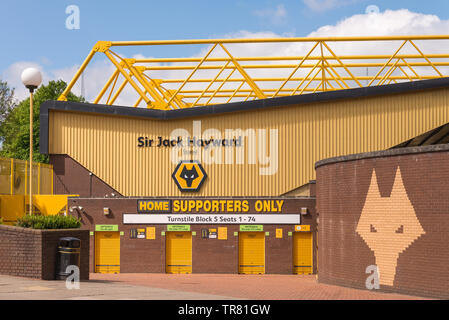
<point>15,130</point>
<point>7,101</point>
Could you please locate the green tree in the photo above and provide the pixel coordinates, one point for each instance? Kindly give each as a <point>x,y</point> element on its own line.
<point>7,101</point>
<point>15,129</point>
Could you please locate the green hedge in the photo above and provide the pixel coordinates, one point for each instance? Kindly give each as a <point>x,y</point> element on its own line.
<point>48,222</point>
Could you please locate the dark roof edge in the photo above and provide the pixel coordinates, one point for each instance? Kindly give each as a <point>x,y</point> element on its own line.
<point>383,153</point>
<point>231,107</point>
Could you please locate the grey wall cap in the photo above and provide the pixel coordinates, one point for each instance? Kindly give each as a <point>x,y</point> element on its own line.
<point>383,154</point>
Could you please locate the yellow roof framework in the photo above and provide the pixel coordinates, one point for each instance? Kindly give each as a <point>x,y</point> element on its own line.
<point>221,75</point>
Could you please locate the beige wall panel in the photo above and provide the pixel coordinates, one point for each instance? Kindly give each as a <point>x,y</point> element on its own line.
<point>107,145</point>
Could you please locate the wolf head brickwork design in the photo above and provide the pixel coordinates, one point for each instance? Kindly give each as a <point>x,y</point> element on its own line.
<point>388,225</point>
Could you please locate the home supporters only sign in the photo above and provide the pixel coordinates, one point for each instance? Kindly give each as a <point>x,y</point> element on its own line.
<point>216,211</point>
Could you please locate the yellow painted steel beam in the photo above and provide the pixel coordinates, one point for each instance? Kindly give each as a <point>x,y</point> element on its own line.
<point>323,72</point>
<point>298,78</point>
<point>406,74</point>
<point>137,102</point>
<point>63,96</point>
<point>309,82</point>
<point>280,40</point>
<point>296,69</point>
<point>427,59</point>
<point>211,83</point>
<point>192,73</point>
<point>156,85</point>
<point>307,77</point>
<point>288,66</point>
<point>245,75</point>
<point>389,72</point>
<point>342,64</point>
<point>125,74</point>
<point>414,72</point>
<point>112,89</point>
<point>235,92</point>
<point>158,100</point>
<point>114,76</point>
<point>335,71</point>
<point>219,87</point>
<point>336,76</point>
<point>389,60</point>
<point>281,58</point>
<point>117,93</point>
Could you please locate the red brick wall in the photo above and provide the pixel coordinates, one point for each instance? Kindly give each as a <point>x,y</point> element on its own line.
<point>342,189</point>
<point>32,253</point>
<point>20,252</point>
<point>50,240</point>
<point>208,255</point>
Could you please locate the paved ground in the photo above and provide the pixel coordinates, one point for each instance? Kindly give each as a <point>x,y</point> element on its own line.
<point>17,288</point>
<point>186,287</point>
<point>282,287</point>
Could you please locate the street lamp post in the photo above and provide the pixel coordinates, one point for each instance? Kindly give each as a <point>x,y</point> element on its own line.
<point>31,78</point>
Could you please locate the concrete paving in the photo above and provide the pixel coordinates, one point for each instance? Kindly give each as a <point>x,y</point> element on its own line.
<point>150,286</point>
<point>17,288</point>
<point>255,287</point>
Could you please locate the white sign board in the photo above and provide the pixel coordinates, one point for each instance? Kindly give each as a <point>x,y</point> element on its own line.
<point>132,218</point>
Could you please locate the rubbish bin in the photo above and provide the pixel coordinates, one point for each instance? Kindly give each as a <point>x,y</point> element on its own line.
<point>68,254</point>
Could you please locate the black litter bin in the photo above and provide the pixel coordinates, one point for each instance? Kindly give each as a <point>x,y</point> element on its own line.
<point>68,254</point>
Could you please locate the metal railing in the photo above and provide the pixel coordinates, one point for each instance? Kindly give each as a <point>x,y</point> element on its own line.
<point>14,177</point>
<point>14,190</point>
<point>221,74</point>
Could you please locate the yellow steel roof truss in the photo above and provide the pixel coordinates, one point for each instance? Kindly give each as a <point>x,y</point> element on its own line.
<point>223,77</point>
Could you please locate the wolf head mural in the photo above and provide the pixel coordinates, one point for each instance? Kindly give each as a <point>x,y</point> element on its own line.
<point>388,225</point>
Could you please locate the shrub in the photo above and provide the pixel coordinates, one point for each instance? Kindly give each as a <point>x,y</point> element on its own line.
<point>48,222</point>
<point>1,221</point>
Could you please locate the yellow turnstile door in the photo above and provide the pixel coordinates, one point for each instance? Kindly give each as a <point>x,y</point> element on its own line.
<point>178,256</point>
<point>107,252</point>
<point>252,252</point>
<point>302,253</point>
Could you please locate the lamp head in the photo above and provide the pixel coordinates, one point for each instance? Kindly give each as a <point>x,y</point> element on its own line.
<point>31,78</point>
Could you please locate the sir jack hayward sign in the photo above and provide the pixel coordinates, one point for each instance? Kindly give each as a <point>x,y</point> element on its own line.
<point>210,146</point>
<point>215,211</point>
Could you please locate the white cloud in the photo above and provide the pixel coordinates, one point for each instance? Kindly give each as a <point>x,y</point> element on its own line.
<point>389,22</point>
<point>275,16</point>
<point>399,22</point>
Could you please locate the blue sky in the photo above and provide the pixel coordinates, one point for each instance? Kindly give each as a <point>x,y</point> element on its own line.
<point>35,32</point>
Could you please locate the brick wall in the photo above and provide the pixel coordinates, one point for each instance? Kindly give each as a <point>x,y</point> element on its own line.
<point>20,252</point>
<point>32,253</point>
<point>70,177</point>
<point>389,209</point>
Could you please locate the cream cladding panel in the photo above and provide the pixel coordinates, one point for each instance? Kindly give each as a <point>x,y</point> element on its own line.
<point>107,145</point>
